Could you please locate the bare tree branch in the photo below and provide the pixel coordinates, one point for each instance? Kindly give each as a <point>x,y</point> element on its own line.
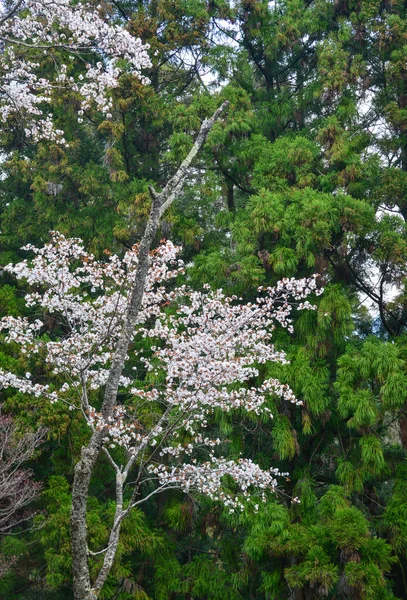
<point>17,487</point>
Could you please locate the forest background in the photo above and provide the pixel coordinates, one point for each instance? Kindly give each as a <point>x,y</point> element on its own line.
<point>307,173</point>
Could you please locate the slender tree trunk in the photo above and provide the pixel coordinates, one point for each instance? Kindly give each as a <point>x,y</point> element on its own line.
<point>89,454</point>
<point>82,586</point>
<point>114,535</point>
<point>79,534</point>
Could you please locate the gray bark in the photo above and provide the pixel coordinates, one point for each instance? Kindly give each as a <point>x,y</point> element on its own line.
<point>82,586</point>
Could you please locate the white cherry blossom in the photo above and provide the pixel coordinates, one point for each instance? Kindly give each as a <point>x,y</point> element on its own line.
<point>208,351</point>
<point>59,31</point>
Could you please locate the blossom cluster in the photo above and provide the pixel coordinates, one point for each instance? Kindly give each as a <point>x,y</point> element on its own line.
<point>87,299</point>
<point>195,353</point>
<point>207,478</point>
<point>74,30</point>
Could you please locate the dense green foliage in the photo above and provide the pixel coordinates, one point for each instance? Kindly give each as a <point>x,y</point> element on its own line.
<point>308,173</point>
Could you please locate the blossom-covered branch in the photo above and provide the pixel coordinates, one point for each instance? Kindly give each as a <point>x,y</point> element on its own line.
<point>60,30</point>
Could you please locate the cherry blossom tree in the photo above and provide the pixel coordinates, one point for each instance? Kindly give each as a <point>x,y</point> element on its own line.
<point>59,31</point>
<point>206,354</point>
<point>115,322</point>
